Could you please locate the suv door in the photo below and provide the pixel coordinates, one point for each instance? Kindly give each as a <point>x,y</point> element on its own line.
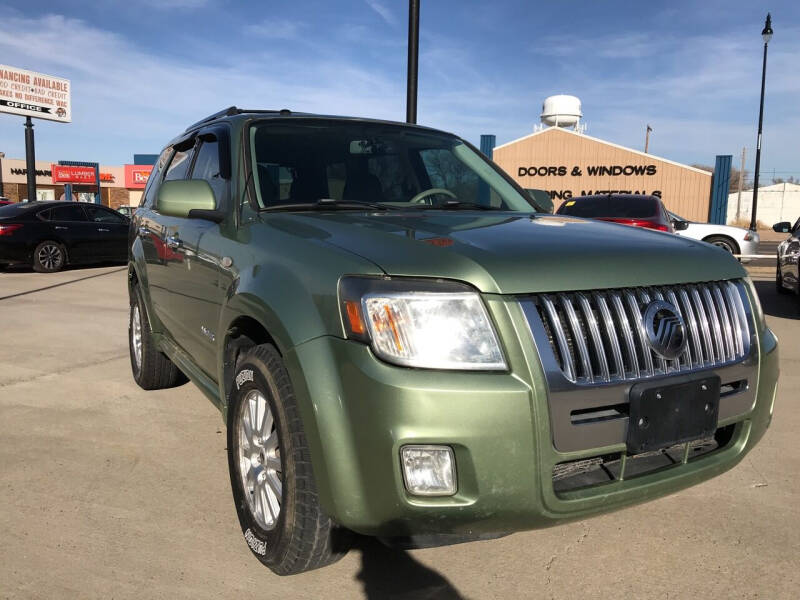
<point>197,294</point>
<point>69,225</point>
<point>111,228</point>
<point>163,263</point>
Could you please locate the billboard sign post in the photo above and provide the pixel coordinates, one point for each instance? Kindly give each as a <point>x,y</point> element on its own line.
<point>30,94</point>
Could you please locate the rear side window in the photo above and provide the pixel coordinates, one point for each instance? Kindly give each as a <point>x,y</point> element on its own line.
<point>611,206</point>
<point>98,214</point>
<point>179,165</point>
<point>153,182</point>
<point>206,167</point>
<point>73,212</point>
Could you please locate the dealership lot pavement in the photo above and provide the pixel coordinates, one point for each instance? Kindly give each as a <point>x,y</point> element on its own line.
<point>109,491</point>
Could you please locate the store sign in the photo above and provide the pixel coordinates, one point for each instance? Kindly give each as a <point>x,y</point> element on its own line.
<point>33,94</point>
<point>592,170</point>
<point>136,176</point>
<point>68,174</point>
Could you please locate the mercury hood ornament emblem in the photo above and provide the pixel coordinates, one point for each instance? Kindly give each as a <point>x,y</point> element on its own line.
<point>666,331</point>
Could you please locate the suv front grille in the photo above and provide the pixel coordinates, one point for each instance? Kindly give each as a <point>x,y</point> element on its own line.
<point>600,336</point>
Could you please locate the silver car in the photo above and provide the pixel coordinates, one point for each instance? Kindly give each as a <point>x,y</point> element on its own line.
<point>735,240</point>
<point>787,277</point>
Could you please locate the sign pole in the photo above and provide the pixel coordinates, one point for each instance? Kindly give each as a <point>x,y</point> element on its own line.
<point>30,159</point>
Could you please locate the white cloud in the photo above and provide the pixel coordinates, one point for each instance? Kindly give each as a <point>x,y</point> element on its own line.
<point>275,29</point>
<point>382,10</point>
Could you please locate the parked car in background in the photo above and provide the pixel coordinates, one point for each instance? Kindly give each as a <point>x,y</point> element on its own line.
<point>128,211</point>
<point>628,209</point>
<point>787,276</point>
<point>402,347</point>
<point>735,240</point>
<point>50,235</point>
<point>4,201</point>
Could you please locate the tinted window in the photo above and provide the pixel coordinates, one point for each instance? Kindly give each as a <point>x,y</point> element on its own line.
<point>179,165</point>
<point>72,212</point>
<point>206,166</point>
<point>99,214</point>
<point>13,210</point>
<point>151,189</point>
<point>611,206</point>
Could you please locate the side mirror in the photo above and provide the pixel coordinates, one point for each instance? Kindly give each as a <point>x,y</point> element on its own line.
<point>680,225</point>
<point>782,227</point>
<point>540,200</point>
<point>189,198</point>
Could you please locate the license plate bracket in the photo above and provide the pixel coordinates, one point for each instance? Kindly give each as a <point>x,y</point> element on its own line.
<point>672,411</point>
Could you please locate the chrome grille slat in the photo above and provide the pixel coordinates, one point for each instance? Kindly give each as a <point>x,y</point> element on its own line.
<point>687,356</point>
<point>594,330</point>
<point>627,333</point>
<point>730,349</point>
<point>647,354</point>
<point>578,336</point>
<point>716,328</point>
<point>611,332</point>
<point>599,336</point>
<point>703,320</point>
<point>568,364</point>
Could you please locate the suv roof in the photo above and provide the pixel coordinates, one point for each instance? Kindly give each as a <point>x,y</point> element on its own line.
<point>227,114</point>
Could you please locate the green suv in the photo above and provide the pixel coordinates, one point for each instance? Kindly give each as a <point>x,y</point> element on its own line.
<point>401,347</point>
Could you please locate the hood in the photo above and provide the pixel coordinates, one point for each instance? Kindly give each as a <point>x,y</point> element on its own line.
<point>513,253</point>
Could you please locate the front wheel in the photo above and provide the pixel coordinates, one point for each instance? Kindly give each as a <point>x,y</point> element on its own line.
<point>723,242</point>
<point>151,368</point>
<point>270,468</point>
<point>49,257</point>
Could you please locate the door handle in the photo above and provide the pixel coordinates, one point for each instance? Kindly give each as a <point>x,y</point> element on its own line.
<point>144,231</point>
<point>174,242</point>
<point>102,229</point>
<point>60,227</point>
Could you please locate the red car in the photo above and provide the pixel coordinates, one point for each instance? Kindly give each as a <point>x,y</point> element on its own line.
<point>629,209</point>
<point>4,201</point>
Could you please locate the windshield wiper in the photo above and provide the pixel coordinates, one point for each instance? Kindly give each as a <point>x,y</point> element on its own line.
<point>458,204</point>
<point>328,204</point>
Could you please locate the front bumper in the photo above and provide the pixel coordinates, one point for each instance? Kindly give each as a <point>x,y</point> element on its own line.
<point>358,412</point>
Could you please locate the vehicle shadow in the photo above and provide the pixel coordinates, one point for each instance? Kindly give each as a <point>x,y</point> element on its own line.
<point>786,306</point>
<point>393,573</point>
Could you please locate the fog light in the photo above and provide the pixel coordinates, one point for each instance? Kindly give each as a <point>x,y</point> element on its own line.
<point>429,470</point>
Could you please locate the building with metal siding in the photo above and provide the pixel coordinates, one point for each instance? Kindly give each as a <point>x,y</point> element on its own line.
<point>567,163</point>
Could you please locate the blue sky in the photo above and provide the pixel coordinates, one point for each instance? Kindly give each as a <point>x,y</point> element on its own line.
<point>142,70</point>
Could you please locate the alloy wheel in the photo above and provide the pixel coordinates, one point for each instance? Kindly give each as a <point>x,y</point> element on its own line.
<point>260,459</point>
<point>50,257</point>
<point>136,335</point>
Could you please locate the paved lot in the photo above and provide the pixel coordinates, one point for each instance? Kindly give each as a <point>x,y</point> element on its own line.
<point>107,491</point>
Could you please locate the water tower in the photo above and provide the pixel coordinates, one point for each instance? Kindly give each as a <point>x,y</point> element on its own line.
<point>562,111</point>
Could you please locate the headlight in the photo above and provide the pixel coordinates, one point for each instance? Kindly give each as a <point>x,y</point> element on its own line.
<point>755,303</point>
<point>429,324</point>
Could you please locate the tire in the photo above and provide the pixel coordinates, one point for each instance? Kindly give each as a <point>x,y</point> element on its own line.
<point>779,281</point>
<point>271,476</point>
<point>49,257</point>
<point>726,243</point>
<point>151,369</point>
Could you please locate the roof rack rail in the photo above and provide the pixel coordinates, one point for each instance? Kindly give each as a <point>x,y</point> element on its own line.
<point>233,110</point>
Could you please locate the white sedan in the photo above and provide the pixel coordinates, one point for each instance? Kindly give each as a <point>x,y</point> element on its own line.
<point>733,239</point>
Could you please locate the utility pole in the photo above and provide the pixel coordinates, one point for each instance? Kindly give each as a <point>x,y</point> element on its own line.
<point>413,61</point>
<point>647,138</point>
<point>741,183</point>
<point>766,34</point>
<point>30,159</point>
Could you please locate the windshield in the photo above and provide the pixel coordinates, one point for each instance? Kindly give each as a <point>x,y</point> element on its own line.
<point>630,207</point>
<point>391,165</point>
<point>8,211</point>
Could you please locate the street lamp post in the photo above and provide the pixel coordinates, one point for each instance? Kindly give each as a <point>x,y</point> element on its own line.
<point>766,33</point>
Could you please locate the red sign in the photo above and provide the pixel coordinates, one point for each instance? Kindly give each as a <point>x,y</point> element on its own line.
<point>136,175</point>
<point>66,174</point>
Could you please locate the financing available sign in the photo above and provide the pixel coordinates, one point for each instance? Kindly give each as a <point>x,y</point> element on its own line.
<point>35,95</point>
